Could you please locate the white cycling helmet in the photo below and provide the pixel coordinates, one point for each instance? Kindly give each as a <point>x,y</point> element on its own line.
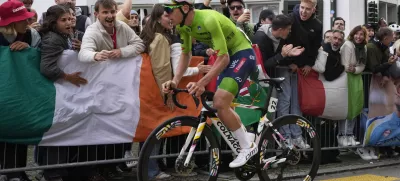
<point>176,1</point>
<point>394,27</point>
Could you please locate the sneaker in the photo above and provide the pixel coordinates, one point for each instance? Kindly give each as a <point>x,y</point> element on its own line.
<point>161,176</point>
<point>364,153</point>
<point>130,164</point>
<point>299,142</point>
<point>351,140</point>
<point>244,156</point>
<point>372,153</point>
<point>344,141</point>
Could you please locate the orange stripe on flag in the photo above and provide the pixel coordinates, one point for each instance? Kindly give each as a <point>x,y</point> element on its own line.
<point>152,109</point>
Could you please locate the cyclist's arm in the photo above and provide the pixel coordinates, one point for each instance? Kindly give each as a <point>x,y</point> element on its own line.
<point>220,47</point>
<point>185,57</point>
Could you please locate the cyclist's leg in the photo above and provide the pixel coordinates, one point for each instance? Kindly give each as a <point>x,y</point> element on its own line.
<point>241,65</point>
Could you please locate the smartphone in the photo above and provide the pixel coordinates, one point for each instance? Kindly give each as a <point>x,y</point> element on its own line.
<point>76,35</point>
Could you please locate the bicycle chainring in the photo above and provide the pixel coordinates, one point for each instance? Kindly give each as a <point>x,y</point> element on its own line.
<point>293,157</point>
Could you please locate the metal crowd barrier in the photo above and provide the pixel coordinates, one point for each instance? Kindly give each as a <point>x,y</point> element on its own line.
<point>38,158</point>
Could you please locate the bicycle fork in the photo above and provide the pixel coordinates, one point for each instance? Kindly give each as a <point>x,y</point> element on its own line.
<point>197,135</point>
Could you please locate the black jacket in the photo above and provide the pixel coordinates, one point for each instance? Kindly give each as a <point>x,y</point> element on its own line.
<point>53,46</point>
<point>271,58</point>
<point>307,34</point>
<point>333,67</point>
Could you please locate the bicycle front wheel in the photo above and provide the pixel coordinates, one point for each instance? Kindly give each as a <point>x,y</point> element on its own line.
<point>299,158</point>
<point>212,149</point>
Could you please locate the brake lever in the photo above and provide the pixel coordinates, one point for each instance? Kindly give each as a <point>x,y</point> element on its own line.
<point>196,101</point>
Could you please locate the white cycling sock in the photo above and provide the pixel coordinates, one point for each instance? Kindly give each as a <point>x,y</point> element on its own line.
<point>241,135</point>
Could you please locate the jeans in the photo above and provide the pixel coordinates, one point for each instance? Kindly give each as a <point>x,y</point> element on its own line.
<point>289,102</point>
<point>346,127</point>
<point>154,170</point>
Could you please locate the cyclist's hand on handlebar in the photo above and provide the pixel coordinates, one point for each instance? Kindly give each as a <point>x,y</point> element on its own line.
<point>195,89</point>
<point>168,85</point>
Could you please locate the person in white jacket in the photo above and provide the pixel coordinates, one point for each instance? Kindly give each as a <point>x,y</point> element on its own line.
<point>354,57</point>
<point>109,38</point>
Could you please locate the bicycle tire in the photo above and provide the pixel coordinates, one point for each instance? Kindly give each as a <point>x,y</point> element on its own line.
<point>293,119</point>
<point>183,121</point>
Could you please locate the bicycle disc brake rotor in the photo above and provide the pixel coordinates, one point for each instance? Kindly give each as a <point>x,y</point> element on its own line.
<point>180,168</point>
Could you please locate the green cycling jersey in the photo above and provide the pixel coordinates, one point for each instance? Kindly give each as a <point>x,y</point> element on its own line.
<point>215,30</point>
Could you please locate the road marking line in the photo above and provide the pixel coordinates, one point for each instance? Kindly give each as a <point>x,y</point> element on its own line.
<point>366,177</point>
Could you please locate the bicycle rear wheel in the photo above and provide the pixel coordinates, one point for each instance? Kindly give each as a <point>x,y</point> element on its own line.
<point>177,123</point>
<point>300,162</point>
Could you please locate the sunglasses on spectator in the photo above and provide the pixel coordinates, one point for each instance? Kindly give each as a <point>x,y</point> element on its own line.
<point>236,7</point>
<point>169,9</point>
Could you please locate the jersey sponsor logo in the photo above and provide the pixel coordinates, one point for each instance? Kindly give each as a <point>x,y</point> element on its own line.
<point>199,28</point>
<point>242,61</point>
<point>238,79</point>
<point>234,63</point>
<point>252,57</point>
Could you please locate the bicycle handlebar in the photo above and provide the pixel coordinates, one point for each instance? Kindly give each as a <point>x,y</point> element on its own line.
<point>204,97</point>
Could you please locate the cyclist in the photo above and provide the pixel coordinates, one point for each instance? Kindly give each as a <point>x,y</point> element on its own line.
<point>235,62</point>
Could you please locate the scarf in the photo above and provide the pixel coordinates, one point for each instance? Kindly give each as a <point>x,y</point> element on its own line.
<point>361,55</point>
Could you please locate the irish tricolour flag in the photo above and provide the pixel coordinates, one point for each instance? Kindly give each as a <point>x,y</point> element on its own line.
<point>120,103</point>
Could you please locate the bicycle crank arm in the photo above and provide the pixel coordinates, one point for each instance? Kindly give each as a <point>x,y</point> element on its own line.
<point>272,163</point>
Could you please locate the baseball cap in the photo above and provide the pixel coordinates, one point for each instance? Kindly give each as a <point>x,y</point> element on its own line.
<point>13,11</point>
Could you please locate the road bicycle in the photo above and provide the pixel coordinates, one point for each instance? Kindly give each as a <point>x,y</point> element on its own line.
<point>266,136</point>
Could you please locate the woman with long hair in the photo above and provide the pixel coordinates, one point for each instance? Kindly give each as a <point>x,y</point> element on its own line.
<point>56,31</point>
<point>354,56</point>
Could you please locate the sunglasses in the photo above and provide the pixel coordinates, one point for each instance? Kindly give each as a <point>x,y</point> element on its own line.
<point>236,7</point>
<point>169,9</point>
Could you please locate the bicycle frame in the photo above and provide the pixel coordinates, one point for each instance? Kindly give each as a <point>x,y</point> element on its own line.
<point>228,136</point>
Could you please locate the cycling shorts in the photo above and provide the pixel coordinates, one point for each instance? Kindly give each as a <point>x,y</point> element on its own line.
<point>242,64</point>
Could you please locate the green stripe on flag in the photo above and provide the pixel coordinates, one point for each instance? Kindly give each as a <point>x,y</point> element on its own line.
<point>27,99</point>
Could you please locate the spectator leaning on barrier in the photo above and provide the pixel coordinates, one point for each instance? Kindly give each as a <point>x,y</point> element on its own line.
<point>270,40</point>
<point>56,31</point>
<point>15,34</point>
<point>240,17</point>
<point>334,67</point>
<point>306,32</point>
<point>339,24</point>
<point>354,58</point>
<point>378,62</point>
<point>109,38</point>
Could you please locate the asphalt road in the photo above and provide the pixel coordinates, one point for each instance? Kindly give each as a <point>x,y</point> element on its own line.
<point>391,173</point>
